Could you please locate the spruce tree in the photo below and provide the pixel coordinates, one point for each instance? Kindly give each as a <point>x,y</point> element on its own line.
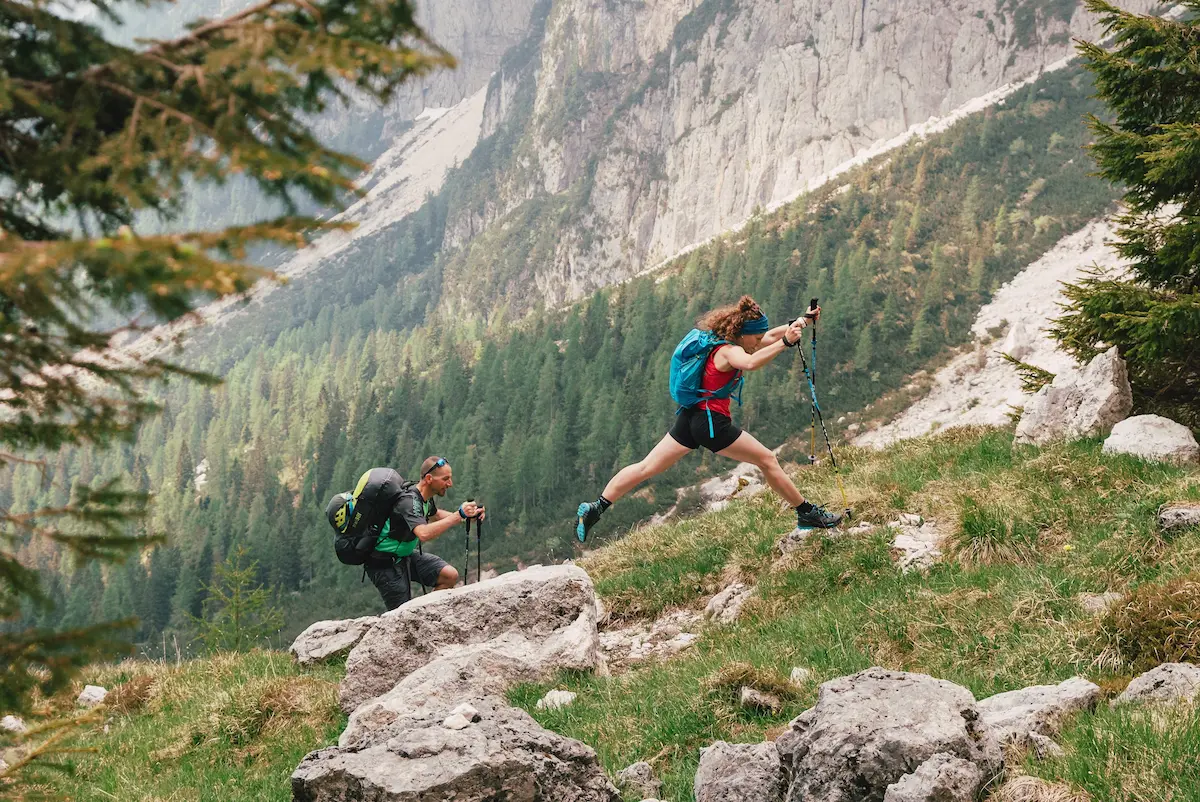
<point>99,144</point>
<point>1151,82</point>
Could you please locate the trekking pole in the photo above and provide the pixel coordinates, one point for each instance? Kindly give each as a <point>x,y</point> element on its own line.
<point>467,550</point>
<point>812,414</point>
<point>478,550</point>
<point>821,419</point>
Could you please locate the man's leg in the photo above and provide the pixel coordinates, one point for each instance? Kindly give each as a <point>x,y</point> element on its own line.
<point>434,572</point>
<point>392,582</point>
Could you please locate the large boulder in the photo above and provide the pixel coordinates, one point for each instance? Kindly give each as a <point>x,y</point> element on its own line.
<point>326,639</point>
<point>870,729</point>
<point>942,778</point>
<point>739,773</point>
<point>1040,709</point>
<point>1169,683</point>
<point>1077,403</point>
<point>1154,438</point>
<point>462,675</point>
<point>551,605</point>
<point>503,755</point>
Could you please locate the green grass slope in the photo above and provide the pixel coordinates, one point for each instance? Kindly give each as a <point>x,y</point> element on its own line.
<point>1027,529</point>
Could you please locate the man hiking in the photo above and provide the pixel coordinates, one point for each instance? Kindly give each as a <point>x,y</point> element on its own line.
<point>706,371</point>
<point>401,515</point>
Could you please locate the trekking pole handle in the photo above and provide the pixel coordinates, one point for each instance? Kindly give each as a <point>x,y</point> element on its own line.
<point>812,305</point>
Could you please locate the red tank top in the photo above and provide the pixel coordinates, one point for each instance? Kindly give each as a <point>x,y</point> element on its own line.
<point>714,379</point>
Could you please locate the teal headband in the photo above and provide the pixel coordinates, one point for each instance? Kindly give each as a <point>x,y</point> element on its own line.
<point>759,326</point>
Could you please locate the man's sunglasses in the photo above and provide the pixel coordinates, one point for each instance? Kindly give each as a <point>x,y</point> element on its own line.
<point>441,462</point>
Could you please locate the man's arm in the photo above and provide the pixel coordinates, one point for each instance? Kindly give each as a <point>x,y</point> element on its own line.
<point>435,529</point>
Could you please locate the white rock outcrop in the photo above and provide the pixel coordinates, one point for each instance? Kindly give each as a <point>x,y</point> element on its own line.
<point>551,608</point>
<point>1078,403</point>
<point>1154,438</point>
<point>1170,683</point>
<point>326,639</point>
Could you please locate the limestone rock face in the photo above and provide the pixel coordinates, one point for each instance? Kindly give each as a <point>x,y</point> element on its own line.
<point>326,639</point>
<point>1165,684</point>
<point>739,773</point>
<point>1078,403</point>
<point>504,755</point>
<point>942,778</point>
<point>552,607</point>
<point>1041,708</point>
<point>870,729</point>
<point>1155,438</point>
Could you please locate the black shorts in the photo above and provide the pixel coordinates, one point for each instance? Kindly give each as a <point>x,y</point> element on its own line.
<point>691,430</point>
<point>391,578</point>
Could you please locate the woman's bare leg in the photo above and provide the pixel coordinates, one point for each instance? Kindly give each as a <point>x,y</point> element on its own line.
<point>661,457</point>
<point>747,449</point>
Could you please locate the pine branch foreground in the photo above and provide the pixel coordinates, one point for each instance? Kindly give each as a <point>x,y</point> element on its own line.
<point>1151,81</point>
<point>97,139</point>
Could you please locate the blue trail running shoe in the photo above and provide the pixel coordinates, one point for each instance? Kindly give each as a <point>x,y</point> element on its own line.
<point>816,518</point>
<point>587,515</point>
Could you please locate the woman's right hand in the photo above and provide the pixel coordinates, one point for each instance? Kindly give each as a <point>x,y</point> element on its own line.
<point>796,330</point>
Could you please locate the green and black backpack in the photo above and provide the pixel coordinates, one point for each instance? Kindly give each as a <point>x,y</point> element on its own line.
<point>358,517</point>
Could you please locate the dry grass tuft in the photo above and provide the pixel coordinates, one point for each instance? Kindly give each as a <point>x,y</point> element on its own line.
<point>1032,789</point>
<point>132,695</point>
<point>266,706</point>
<point>731,677</point>
<point>1156,623</point>
<point>991,533</point>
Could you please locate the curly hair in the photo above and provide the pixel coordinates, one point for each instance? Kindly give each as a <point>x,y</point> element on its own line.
<point>727,321</point>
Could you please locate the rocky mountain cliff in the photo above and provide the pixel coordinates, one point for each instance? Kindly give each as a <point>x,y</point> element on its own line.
<point>649,127</point>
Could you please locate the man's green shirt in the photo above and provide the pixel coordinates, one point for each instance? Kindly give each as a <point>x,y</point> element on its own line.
<point>397,537</point>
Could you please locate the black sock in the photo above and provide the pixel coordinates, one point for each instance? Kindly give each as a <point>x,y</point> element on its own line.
<point>603,503</point>
<point>805,507</point>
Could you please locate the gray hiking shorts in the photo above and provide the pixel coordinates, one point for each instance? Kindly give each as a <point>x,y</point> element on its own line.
<point>391,579</point>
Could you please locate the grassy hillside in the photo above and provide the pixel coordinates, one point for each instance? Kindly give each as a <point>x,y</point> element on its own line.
<point>1027,530</point>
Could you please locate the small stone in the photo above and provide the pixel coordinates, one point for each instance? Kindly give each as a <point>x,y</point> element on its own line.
<point>13,724</point>
<point>1169,683</point>
<point>758,700</point>
<point>456,721</point>
<point>92,695</point>
<point>1045,747</point>
<point>854,427</point>
<point>911,519</point>
<point>555,699</point>
<point>800,675</point>
<point>1181,515</point>
<point>467,711</point>
<point>1098,603</point>
<point>793,540</point>
<point>640,779</point>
